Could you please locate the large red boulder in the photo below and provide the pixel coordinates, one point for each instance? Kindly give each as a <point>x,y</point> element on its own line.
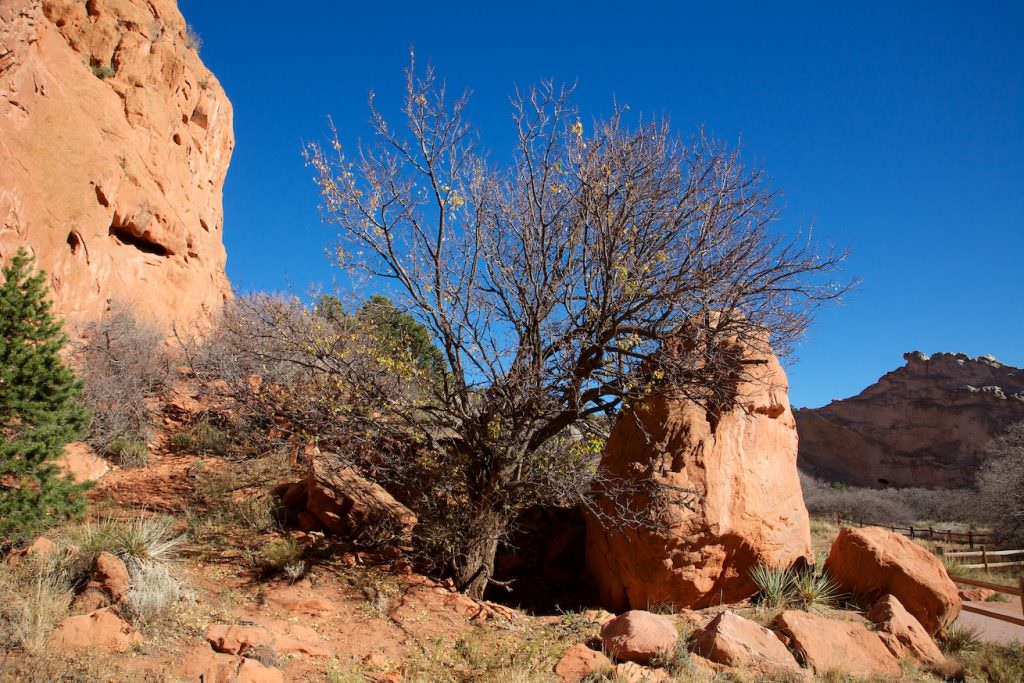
<point>749,509</point>
<point>103,630</point>
<point>870,563</point>
<point>734,641</point>
<point>639,636</point>
<point>831,645</point>
<point>903,634</point>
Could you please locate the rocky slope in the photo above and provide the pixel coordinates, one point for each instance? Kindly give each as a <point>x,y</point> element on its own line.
<point>925,424</point>
<point>114,144</point>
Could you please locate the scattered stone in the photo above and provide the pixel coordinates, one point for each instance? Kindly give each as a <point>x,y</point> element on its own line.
<point>732,640</point>
<point>579,661</point>
<point>631,672</point>
<point>872,562</point>
<point>39,549</point>
<point>639,636</point>
<point>828,645</point>
<point>200,664</point>
<point>281,639</point>
<point>103,629</point>
<point>750,507</point>
<point>903,634</point>
<point>976,594</point>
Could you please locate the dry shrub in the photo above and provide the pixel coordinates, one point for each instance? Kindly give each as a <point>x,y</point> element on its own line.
<point>124,362</point>
<point>888,506</point>
<point>153,593</point>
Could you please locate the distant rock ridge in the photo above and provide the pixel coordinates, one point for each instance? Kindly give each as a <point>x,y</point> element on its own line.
<point>924,424</point>
<point>114,144</point>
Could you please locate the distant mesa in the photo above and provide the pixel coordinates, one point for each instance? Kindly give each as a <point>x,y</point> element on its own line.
<point>114,144</point>
<point>924,424</point>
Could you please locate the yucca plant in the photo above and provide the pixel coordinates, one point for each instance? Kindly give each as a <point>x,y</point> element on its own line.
<point>810,589</point>
<point>774,584</point>
<point>960,639</point>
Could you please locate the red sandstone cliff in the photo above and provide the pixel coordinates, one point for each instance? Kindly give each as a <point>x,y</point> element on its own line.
<point>114,144</point>
<point>925,424</point>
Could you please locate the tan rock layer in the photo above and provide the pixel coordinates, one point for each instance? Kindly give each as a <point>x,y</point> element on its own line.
<point>114,144</point>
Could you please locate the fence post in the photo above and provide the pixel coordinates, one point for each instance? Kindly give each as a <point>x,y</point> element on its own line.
<point>1020,582</point>
<point>970,539</point>
<point>912,531</point>
<point>931,534</point>
<point>949,536</point>
<point>984,558</point>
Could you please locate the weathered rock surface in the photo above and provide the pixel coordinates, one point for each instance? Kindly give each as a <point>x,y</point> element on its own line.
<point>638,636</point>
<point>239,640</point>
<point>103,629</point>
<point>829,645</point>
<point>82,463</point>
<point>732,640</point>
<point>924,424</point>
<point>904,635</point>
<point>872,562</point>
<point>347,504</point>
<point>579,661</point>
<point>202,665</point>
<point>750,508</point>
<point>114,144</point>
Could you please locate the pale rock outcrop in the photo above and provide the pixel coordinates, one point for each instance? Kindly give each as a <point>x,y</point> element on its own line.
<point>870,563</point>
<point>114,144</point>
<point>732,640</point>
<point>903,634</point>
<point>103,629</point>
<point>81,462</point>
<point>639,636</point>
<point>830,645</point>
<point>749,510</point>
<point>924,424</point>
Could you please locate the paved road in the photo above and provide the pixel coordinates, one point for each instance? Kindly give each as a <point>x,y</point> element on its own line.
<point>994,630</point>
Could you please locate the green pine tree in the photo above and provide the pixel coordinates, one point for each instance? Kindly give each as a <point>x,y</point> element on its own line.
<point>39,410</point>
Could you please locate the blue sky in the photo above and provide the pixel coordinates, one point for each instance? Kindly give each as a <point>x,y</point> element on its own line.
<point>896,128</point>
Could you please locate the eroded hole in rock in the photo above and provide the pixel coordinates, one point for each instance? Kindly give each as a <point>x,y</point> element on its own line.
<point>124,235</point>
<point>177,138</point>
<point>74,242</point>
<point>200,118</point>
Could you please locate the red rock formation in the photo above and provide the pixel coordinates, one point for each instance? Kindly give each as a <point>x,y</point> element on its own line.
<point>870,563</point>
<point>750,510</point>
<point>925,424</point>
<point>114,144</point>
<point>826,645</point>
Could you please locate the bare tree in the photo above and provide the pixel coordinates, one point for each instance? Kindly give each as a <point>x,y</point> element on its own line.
<point>550,284</point>
<point>1001,483</point>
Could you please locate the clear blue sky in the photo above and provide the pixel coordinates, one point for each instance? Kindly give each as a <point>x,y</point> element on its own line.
<point>895,127</point>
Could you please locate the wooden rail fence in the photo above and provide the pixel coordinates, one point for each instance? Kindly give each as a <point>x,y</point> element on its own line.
<point>970,538</point>
<point>1019,592</point>
<point>985,556</point>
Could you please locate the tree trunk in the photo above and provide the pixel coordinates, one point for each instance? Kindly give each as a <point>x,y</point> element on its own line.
<point>475,565</point>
